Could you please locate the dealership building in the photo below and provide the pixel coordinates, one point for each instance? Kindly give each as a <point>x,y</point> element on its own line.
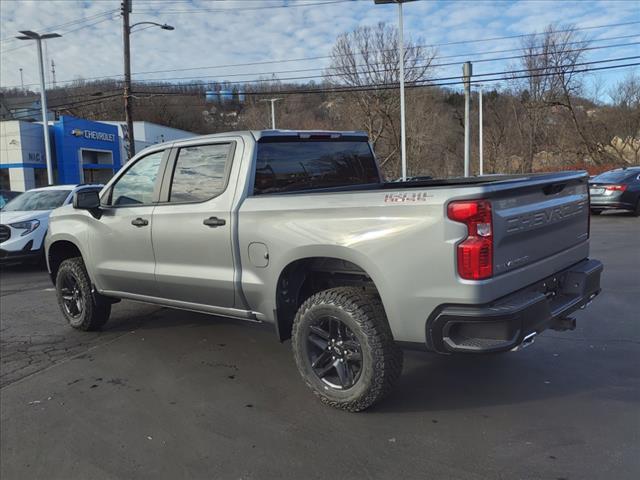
<point>83,151</point>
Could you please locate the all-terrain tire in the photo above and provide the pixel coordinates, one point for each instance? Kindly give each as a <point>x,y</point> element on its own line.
<point>90,310</point>
<point>381,358</point>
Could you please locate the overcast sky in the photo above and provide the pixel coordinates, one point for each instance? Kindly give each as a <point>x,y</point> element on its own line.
<point>211,33</point>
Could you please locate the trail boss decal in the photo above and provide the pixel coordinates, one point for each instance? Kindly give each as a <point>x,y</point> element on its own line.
<point>406,197</point>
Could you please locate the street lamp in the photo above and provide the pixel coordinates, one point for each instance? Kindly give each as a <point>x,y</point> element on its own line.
<point>29,35</point>
<point>403,139</point>
<point>163,26</point>
<point>126,32</point>
<point>273,110</point>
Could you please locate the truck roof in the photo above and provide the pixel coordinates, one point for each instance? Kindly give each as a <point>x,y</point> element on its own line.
<point>258,134</point>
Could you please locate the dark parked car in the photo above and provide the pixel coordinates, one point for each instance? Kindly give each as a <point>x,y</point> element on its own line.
<point>618,189</point>
<point>6,195</point>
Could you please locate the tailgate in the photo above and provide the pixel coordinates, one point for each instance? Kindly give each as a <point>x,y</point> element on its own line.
<point>533,222</point>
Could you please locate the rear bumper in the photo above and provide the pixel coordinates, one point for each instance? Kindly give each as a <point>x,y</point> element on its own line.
<point>514,320</point>
<point>608,202</point>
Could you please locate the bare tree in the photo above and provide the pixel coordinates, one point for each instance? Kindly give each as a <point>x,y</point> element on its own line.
<point>366,57</point>
<point>551,65</point>
<point>621,124</point>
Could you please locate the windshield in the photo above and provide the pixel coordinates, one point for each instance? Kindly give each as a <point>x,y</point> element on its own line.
<point>612,177</point>
<point>37,200</point>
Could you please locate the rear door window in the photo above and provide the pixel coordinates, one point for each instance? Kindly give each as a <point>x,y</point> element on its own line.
<point>200,173</point>
<point>286,166</point>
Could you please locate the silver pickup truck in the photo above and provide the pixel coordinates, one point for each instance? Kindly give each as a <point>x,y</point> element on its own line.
<point>298,229</point>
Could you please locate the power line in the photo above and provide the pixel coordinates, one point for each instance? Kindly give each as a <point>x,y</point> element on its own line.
<point>415,67</point>
<point>466,56</point>
<point>433,45</point>
<point>63,33</point>
<point>594,62</point>
<point>64,106</point>
<point>69,23</point>
<point>242,9</point>
<point>301,91</point>
<point>90,102</point>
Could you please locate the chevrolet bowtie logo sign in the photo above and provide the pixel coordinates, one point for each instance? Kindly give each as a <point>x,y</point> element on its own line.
<point>93,135</point>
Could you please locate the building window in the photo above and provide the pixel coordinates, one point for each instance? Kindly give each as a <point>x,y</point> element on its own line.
<point>40,177</point>
<point>96,157</point>
<point>4,179</point>
<point>96,175</point>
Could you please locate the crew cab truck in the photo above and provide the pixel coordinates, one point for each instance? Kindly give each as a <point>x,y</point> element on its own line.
<point>298,229</point>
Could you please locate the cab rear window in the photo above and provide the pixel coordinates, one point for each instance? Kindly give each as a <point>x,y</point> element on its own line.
<point>288,166</point>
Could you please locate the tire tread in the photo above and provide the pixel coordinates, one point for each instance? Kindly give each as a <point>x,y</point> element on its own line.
<point>368,312</point>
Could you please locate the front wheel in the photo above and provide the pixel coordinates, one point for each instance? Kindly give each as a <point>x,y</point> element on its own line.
<point>81,307</point>
<point>344,349</point>
<point>595,211</point>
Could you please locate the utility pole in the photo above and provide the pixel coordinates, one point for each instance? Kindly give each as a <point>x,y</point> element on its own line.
<point>29,35</point>
<point>126,31</point>
<point>21,80</point>
<point>53,72</point>
<point>125,9</point>
<point>467,71</point>
<point>403,134</point>
<point>273,110</point>
<point>480,128</point>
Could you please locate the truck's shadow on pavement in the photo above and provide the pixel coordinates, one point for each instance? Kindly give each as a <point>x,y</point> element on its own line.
<point>430,382</point>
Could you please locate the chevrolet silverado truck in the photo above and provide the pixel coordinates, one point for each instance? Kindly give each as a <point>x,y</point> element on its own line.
<point>299,230</point>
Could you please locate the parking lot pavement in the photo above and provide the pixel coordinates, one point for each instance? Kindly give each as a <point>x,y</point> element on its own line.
<point>169,394</point>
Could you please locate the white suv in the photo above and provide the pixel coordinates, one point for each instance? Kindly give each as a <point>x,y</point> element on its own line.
<point>24,220</point>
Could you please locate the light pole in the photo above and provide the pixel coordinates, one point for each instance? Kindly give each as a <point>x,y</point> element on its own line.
<point>126,32</point>
<point>273,110</point>
<point>403,136</point>
<point>480,141</point>
<point>467,71</point>
<point>29,35</point>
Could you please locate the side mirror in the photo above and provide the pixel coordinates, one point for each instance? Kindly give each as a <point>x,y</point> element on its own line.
<point>87,200</point>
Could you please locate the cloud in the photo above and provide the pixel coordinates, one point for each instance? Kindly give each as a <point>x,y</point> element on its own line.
<point>212,38</point>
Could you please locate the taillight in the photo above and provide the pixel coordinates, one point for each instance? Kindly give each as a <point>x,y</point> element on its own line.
<point>616,188</point>
<point>475,253</point>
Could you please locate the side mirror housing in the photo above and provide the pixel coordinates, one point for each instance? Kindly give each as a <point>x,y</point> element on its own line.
<point>87,200</point>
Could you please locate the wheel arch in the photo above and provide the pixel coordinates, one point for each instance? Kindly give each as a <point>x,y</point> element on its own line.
<point>58,251</point>
<point>304,276</point>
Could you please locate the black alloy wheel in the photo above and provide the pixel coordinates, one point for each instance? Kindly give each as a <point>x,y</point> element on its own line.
<point>71,293</point>
<point>335,353</point>
<point>83,307</point>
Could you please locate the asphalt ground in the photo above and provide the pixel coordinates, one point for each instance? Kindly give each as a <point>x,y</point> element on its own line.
<point>161,393</point>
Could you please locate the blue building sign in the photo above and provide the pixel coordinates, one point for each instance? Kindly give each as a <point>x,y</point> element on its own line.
<point>85,151</point>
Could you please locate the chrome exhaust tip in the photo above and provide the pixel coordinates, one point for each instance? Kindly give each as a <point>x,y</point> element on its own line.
<point>526,342</point>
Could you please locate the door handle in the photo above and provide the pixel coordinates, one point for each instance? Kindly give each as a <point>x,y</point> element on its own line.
<point>214,222</point>
<point>139,222</point>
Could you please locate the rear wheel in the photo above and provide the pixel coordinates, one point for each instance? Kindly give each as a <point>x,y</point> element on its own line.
<point>81,307</point>
<point>344,349</point>
<point>636,211</point>
<point>595,211</point>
